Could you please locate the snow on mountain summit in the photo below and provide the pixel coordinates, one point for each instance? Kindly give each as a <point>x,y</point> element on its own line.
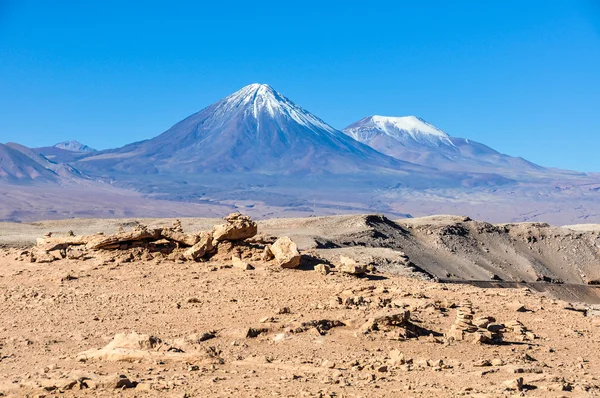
<point>399,128</point>
<point>412,124</point>
<point>259,98</point>
<point>74,146</point>
<point>412,139</point>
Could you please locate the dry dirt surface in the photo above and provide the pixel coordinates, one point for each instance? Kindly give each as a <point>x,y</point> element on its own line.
<point>355,318</point>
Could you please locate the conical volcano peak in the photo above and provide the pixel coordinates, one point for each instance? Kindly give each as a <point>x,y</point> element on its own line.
<point>261,100</point>
<point>255,89</point>
<point>255,94</point>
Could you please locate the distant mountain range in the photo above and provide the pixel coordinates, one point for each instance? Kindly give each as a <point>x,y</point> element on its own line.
<point>257,151</point>
<point>253,130</point>
<point>19,164</point>
<point>74,146</point>
<point>414,140</point>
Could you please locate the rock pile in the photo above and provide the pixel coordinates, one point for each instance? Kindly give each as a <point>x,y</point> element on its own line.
<point>522,332</point>
<point>479,330</point>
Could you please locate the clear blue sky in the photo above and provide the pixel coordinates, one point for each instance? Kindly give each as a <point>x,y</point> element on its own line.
<point>520,76</point>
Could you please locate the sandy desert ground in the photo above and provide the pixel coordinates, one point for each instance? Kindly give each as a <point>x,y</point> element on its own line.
<point>141,319</point>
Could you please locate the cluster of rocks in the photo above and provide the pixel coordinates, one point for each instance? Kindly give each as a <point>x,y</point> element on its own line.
<point>484,329</point>
<point>478,330</point>
<point>520,330</point>
<point>344,265</point>
<point>235,240</point>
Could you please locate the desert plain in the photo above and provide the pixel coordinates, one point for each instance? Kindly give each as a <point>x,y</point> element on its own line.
<point>343,306</point>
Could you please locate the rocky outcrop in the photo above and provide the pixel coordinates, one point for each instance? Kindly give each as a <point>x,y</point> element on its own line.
<point>114,241</point>
<point>237,227</point>
<point>235,241</point>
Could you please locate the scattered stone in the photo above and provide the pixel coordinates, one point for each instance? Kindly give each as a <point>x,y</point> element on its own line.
<point>115,381</point>
<point>514,384</point>
<point>255,332</point>
<point>76,253</point>
<point>482,363</point>
<point>322,268</point>
<point>516,306</point>
<point>322,326</point>
<point>241,264</point>
<point>350,266</point>
<point>397,319</point>
<point>68,277</point>
<point>382,368</point>
<point>396,358</point>
<point>286,253</point>
<point>61,384</point>
<point>200,337</point>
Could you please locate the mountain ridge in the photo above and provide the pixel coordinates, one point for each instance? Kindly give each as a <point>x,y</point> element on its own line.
<point>255,129</point>
<point>256,151</point>
<point>413,139</point>
<point>74,146</point>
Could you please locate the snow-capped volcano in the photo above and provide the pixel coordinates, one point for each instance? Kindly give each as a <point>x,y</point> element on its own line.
<point>74,146</point>
<point>253,129</point>
<point>412,139</point>
<point>262,98</point>
<point>399,128</point>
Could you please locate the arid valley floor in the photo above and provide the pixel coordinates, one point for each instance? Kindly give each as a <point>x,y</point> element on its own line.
<point>136,312</point>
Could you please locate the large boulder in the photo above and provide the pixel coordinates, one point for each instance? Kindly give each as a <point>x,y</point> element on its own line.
<point>237,227</point>
<point>203,247</point>
<point>286,253</point>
